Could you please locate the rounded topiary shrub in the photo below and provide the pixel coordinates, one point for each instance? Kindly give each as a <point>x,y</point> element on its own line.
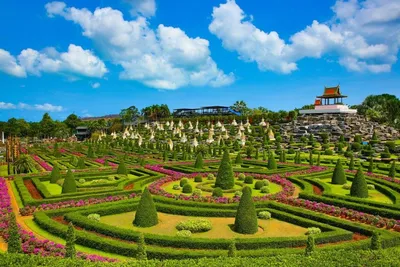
<point>210,176</point>
<point>184,233</point>
<point>313,231</point>
<point>122,168</point>
<point>258,185</point>
<point>328,152</point>
<point>265,182</point>
<point>195,225</point>
<point>94,217</point>
<point>371,187</point>
<point>183,181</point>
<point>198,179</point>
<point>187,188</point>
<point>249,179</point>
<point>217,192</point>
<point>82,181</point>
<point>264,189</point>
<point>346,186</point>
<point>176,187</point>
<point>265,215</point>
<point>238,194</point>
<point>246,215</point>
<point>241,177</point>
<point>146,213</point>
<point>197,192</point>
<point>359,187</point>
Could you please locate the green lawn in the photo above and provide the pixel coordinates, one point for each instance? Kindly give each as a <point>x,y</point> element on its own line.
<point>274,188</point>
<point>53,189</point>
<point>3,170</point>
<point>36,229</point>
<point>220,226</point>
<point>373,194</point>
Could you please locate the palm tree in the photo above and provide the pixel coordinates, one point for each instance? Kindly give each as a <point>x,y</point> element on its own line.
<point>23,164</point>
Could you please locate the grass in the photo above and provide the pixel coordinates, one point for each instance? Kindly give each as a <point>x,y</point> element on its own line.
<point>36,229</point>
<point>221,226</point>
<point>374,194</point>
<point>53,189</point>
<point>16,194</point>
<point>274,188</point>
<point>3,170</point>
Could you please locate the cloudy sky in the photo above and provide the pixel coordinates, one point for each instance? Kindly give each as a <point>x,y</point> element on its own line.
<point>96,57</point>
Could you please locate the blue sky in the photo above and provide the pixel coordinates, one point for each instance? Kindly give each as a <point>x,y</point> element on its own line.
<point>63,57</point>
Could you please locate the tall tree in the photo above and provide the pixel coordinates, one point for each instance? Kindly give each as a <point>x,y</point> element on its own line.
<point>72,121</point>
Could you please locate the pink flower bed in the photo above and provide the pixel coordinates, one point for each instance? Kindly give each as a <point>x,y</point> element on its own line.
<point>379,176</point>
<point>77,154</point>
<point>102,160</point>
<point>31,244</point>
<point>42,163</point>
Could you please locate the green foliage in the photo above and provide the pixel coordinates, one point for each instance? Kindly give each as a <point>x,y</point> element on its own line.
<point>258,185</point>
<point>359,187</point>
<point>69,185</point>
<point>141,253</point>
<point>183,181</point>
<point>55,174</point>
<point>339,176</point>
<point>217,192</point>
<point>195,225</point>
<point>264,189</point>
<point>311,159</point>
<point>319,159</point>
<point>14,240</point>
<point>81,163</point>
<point>310,247</point>
<point>265,215</point>
<point>70,251</point>
<point>199,161</point>
<point>351,164</point>
<point>271,162</point>
<point>184,233</point>
<point>238,159</point>
<point>232,249</point>
<point>225,176</point>
<point>376,241</point>
<point>187,188</point>
<point>122,168</point>
<point>246,216</point>
<point>146,213</point>
<point>392,170</point>
<point>371,165</point>
<point>249,179</point>
<point>94,217</point>
<point>241,176</point>
<point>313,231</point>
<point>198,179</point>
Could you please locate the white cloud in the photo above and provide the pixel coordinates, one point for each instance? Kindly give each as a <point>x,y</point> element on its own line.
<point>364,35</point>
<point>76,61</point>
<point>23,106</point>
<point>95,85</point>
<point>165,58</point>
<point>146,8</point>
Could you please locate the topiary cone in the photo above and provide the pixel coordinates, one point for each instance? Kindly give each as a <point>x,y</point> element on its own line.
<point>69,185</point>
<point>225,177</point>
<point>246,215</point>
<point>339,176</point>
<point>199,161</point>
<point>146,213</point>
<point>122,168</point>
<point>55,174</point>
<point>359,187</point>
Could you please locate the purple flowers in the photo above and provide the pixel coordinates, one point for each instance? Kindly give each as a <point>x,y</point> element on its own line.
<point>102,160</point>
<point>42,163</point>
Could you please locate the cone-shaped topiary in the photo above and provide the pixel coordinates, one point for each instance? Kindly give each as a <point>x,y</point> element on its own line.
<point>271,162</point>
<point>69,185</point>
<point>141,253</point>
<point>319,159</point>
<point>246,215</point>
<point>339,176</point>
<point>14,239</point>
<point>392,170</point>
<point>146,213</point>
<point>225,177</point>
<point>81,163</point>
<point>310,247</point>
<point>55,174</point>
<point>311,159</point>
<point>232,249</point>
<point>122,168</point>
<point>351,164</point>
<point>70,251</point>
<point>238,159</point>
<point>371,165</point>
<point>359,187</point>
<point>90,153</point>
<point>199,161</point>
<point>376,241</point>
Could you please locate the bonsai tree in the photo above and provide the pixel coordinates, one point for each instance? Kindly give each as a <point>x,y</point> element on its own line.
<point>392,170</point>
<point>339,176</point>
<point>122,168</point>
<point>238,159</point>
<point>141,253</point>
<point>271,162</point>
<point>69,185</point>
<point>70,251</point>
<point>199,161</point>
<point>246,215</point>
<point>146,213</point>
<point>225,177</point>
<point>232,249</point>
<point>359,186</point>
<point>14,239</point>
<point>55,174</point>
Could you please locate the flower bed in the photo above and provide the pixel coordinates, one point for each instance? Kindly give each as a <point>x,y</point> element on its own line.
<point>42,163</point>
<point>102,160</point>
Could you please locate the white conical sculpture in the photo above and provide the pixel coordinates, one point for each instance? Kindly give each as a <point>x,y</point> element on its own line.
<point>239,134</point>
<point>241,127</point>
<point>196,130</point>
<point>247,123</point>
<point>223,128</point>
<point>151,136</point>
<point>180,124</point>
<point>183,138</point>
<point>249,129</point>
<point>201,132</point>
<point>210,138</point>
<point>195,143</point>
<point>234,123</point>
<point>167,123</point>
<point>170,144</point>
<point>271,135</point>
<point>243,140</point>
<point>226,136</point>
<point>190,126</point>
<point>263,123</point>
<point>99,137</point>
<point>219,125</point>
<point>161,127</point>
<point>130,128</point>
<point>219,140</point>
<point>140,140</point>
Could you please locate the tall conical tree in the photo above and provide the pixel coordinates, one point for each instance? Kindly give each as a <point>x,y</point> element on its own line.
<point>141,253</point>
<point>271,162</point>
<point>311,159</point>
<point>359,187</point>
<point>14,239</point>
<point>199,161</point>
<point>69,185</point>
<point>122,168</point>
<point>81,163</point>
<point>225,177</point>
<point>351,164</point>
<point>284,156</point>
<point>55,174</point>
<point>371,165</point>
<point>70,251</point>
<point>392,170</point>
<point>146,213</point>
<point>339,176</point>
<point>246,215</point>
<point>281,156</point>
<point>90,153</point>
<point>319,159</point>
<point>238,159</point>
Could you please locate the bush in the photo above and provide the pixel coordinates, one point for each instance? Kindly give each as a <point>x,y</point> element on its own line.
<point>310,245</point>
<point>14,239</point>
<point>70,251</point>
<point>271,162</point>
<point>241,176</point>
<point>183,181</point>
<point>265,182</point>
<point>225,176</point>
<point>265,215</point>
<point>184,233</point>
<point>94,217</point>
<point>210,177</point>
<point>346,186</point>
<point>392,170</point>
<point>217,192</point>
<point>238,194</point>
<point>176,187</point>
<point>248,180</point>
<point>371,187</point>
<point>122,168</point>
<point>187,188</point>
<point>55,174</point>
<point>246,216</point>
<point>232,249</point>
<point>199,161</point>
<point>197,192</point>
<point>258,185</point>
<point>264,190</point>
<point>328,152</point>
<point>141,253</point>
<point>195,225</point>
<point>376,241</point>
<point>238,159</point>
<point>339,176</point>
<point>82,181</point>
<point>198,179</point>
<point>359,186</point>
<point>313,231</point>
<point>146,213</point>
<point>69,185</point>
